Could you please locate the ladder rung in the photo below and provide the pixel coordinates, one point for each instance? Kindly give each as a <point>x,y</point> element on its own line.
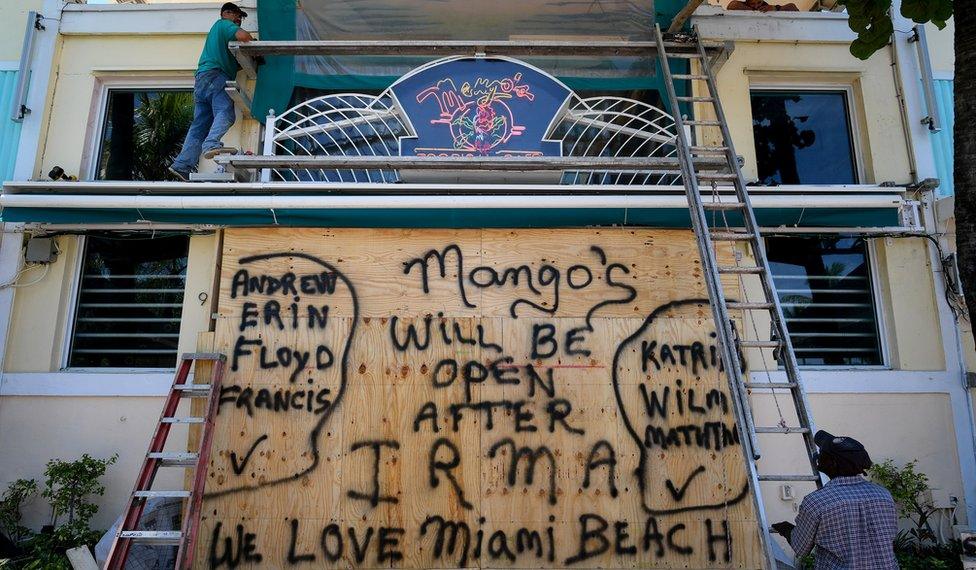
<point>717,176</point>
<point>687,76</point>
<point>737,306</point>
<point>722,205</point>
<point>777,429</point>
<point>701,123</point>
<point>162,494</point>
<point>193,390</point>
<point>695,148</point>
<point>728,236</point>
<point>694,99</point>
<point>171,458</point>
<point>789,477</point>
<point>759,343</point>
<point>163,537</point>
<point>740,269</point>
<point>203,356</point>
<point>769,385</point>
<point>183,420</point>
<point>683,55</point>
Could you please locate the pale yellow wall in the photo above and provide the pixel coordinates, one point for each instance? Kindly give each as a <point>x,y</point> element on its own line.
<point>915,340</point>
<point>204,252</point>
<point>901,427</point>
<point>881,137</point>
<point>83,59</point>
<point>41,315</point>
<point>13,23</point>
<point>941,51</point>
<point>73,426</point>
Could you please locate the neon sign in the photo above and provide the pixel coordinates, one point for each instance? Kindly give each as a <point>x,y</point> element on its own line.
<point>480,107</point>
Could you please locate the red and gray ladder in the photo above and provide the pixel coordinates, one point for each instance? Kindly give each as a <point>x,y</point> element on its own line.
<point>128,533</point>
<point>688,47</point>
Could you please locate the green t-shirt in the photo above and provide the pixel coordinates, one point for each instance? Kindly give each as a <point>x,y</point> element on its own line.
<point>215,53</point>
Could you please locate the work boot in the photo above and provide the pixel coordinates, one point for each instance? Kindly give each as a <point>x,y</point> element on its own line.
<point>210,153</point>
<point>179,175</point>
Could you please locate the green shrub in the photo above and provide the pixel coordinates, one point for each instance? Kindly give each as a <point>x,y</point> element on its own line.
<point>68,486</point>
<point>11,501</point>
<point>907,487</point>
<point>916,548</point>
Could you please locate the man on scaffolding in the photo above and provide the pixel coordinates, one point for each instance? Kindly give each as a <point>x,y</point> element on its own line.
<point>213,110</point>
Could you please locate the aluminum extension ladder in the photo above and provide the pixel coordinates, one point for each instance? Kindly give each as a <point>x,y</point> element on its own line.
<point>128,534</point>
<point>747,232</point>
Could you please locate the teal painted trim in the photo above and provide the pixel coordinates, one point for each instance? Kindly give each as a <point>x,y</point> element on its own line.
<point>465,218</point>
<point>666,10</point>
<point>942,141</point>
<point>9,130</point>
<point>345,82</point>
<point>380,82</point>
<point>276,78</point>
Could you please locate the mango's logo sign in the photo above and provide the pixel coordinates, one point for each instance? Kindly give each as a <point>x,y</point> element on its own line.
<point>480,107</point>
<point>478,115</point>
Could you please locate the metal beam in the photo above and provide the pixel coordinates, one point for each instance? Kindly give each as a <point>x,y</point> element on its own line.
<point>572,200</point>
<point>492,163</point>
<point>246,52</point>
<point>239,96</point>
<point>845,195</point>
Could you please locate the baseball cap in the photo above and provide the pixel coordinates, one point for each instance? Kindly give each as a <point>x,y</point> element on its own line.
<point>844,448</point>
<point>231,7</point>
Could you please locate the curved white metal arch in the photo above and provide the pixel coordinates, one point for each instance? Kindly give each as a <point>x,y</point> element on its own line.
<point>355,124</point>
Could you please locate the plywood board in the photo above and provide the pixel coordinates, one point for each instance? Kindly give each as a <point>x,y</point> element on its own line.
<point>472,398</point>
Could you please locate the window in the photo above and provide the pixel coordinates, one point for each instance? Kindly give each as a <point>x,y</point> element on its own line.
<point>142,133</point>
<point>129,302</point>
<point>824,286</point>
<point>803,137</point>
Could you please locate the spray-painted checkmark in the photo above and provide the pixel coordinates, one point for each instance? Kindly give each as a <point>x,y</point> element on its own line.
<point>679,494</point>
<point>239,467</point>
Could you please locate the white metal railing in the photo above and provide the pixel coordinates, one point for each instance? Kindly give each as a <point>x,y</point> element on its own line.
<point>604,131</point>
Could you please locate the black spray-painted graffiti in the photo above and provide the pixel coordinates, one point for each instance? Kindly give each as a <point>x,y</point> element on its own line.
<point>322,401</point>
<point>659,417</point>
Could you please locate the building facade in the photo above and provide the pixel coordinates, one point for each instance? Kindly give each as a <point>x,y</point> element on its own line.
<point>835,148</point>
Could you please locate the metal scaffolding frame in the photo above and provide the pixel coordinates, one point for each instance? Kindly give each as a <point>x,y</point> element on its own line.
<point>246,53</point>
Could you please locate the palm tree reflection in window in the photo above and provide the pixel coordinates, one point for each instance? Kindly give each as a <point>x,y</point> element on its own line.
<point>778,136</point>
<point>143,133</point>
<point>802,137</point>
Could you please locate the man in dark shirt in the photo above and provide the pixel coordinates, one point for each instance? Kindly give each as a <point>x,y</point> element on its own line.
<point>213,110</point>
<point>850,523</point>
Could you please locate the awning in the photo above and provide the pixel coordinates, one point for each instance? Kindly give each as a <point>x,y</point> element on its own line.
<point>431,206</point>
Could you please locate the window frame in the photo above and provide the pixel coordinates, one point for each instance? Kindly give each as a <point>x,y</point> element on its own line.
<point>877,296</point>
<point>853,117</point>
<point>104,84</point>
<point>72,320</point>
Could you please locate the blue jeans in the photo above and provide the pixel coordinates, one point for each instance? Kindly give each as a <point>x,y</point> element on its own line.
<point>213,115</point>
